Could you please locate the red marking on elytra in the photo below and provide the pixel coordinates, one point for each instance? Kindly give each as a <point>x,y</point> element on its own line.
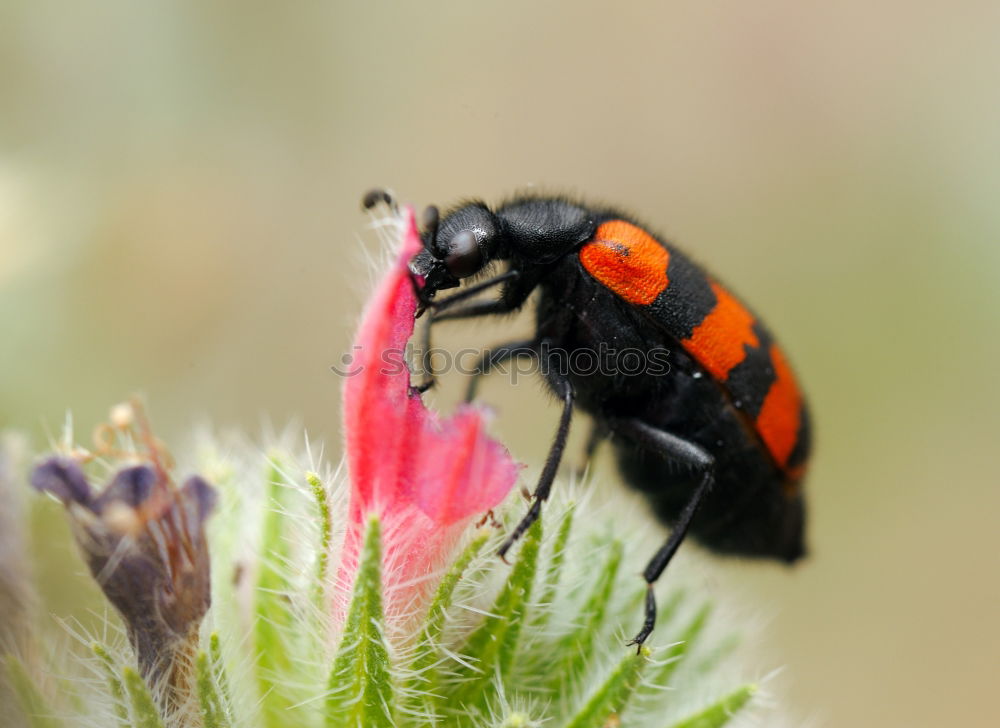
<point>628,261</point>
<point>719,342</point>
<point>778,419</point>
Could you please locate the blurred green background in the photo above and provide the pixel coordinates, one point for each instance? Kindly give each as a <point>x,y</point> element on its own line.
<point>179,187</point>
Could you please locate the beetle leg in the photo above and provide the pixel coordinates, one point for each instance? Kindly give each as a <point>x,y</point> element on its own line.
<point>489,359</point>
<point>418,292</point>
<point>476,309</point>
<point>510,275</point>
<point>512,297</point>
<point>511,300</point>
<point>495,357</point>
<point>681,450</point>
<point>426,361</point>
<point>544,486</point>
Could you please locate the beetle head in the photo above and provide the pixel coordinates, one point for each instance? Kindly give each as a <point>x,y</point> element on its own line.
<point>459,246</point>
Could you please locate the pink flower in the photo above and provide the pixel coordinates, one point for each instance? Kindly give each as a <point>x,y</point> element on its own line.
<point>424,477</point>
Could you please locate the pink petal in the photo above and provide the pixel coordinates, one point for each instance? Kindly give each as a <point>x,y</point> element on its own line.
<point>425,477</point>
<point>461,471</point>
<point>377,401</point>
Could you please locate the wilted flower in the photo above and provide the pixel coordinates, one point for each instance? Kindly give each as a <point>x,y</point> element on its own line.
<point>144,541</point>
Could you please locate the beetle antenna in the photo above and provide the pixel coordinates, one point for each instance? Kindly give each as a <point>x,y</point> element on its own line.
<point>429,220</point>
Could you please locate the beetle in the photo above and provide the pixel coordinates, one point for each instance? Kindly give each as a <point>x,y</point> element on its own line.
<point>718,444</point>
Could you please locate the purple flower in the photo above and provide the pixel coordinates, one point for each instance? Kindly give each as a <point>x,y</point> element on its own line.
<point>144,541</point>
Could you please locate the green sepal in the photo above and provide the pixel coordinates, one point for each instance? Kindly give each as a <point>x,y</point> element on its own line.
<point>424,684</point>
<point>213,711</point>
<point>554,573</point>
<point>144,711</point>
<point>717,715</point>
<point>115,686</point>
<point>218,666</point>
<point>492,646</point>
<point>517,720</point>
<point>576,647</point>
<point>273,618</point>
<point>677,653</point>
<point>325,538</point>
<point>361,693</point>
<point>612,696</point>
<point>33,704</point>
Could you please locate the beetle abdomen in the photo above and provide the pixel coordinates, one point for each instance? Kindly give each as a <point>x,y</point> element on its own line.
<point>721,334</point>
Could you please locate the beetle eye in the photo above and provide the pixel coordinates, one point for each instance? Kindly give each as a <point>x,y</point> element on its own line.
<point>464,256</point>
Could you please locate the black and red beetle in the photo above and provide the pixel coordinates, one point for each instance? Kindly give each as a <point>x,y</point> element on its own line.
<point>718,445</point>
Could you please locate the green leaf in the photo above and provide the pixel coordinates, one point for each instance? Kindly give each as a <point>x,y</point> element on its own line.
<point>517,720</point>
<point>717,715</point>
<point>492,646</point>
<point>718,653</point>
<point>361,693</point>
<point>219,673</point>
<point>274,621</point>
<point>115,686</point>
<point>213,712</point>
<point>325,538</point>
<point>33,703</point>
<point>554,572</point>
<point>667,610</point>
<point>676,653</point>
<point>576,647</point>
<point>612,696</point>
<point>144,712</point>
<point>422,686</point>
